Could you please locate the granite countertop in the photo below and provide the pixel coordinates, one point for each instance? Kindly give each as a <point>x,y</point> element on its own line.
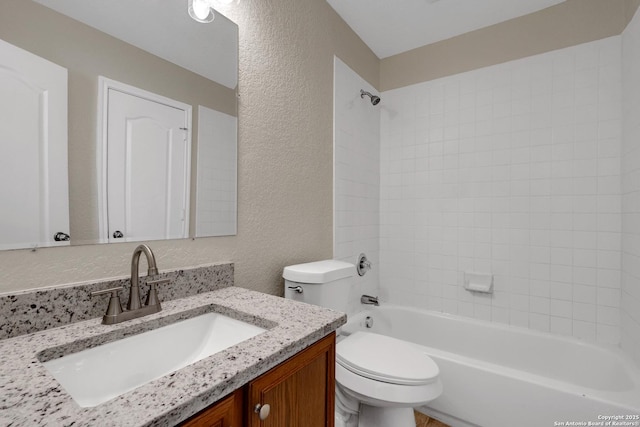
<point>30,396</point>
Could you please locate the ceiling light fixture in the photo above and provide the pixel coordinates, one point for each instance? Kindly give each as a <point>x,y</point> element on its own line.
<point>201,10</point>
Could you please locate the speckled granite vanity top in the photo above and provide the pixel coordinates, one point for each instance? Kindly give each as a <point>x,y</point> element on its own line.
<point>30,396</point>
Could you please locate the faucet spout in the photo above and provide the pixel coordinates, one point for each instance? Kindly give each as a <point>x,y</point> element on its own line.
<point>368,299</point>
<point>134,295</point>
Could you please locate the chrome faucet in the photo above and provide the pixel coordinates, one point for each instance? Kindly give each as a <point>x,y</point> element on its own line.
<point>115,313</point>
<point>368,299</point>
<point>134,295</point>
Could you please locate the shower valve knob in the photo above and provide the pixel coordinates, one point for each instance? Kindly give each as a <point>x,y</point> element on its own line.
<point>363,265</point>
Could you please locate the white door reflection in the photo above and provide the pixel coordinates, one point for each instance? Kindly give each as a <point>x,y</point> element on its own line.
<point>148,158</point>
<point>33,150</point>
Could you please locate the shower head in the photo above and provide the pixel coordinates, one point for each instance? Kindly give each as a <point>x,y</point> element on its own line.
<point>374,99</point>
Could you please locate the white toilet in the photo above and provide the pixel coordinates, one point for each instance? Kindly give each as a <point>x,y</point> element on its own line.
<point>379,379</point>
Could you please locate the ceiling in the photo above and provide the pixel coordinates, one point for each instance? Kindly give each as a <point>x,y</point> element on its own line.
<point>165,29</point>
<point>390,27</point>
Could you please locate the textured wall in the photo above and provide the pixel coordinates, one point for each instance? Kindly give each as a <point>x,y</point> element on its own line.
<point>285,157</point>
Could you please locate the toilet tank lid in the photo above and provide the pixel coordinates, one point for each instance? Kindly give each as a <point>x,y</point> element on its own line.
<point>319,271</point>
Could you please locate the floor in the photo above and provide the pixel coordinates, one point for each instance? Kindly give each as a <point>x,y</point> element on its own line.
<point>424,421</point>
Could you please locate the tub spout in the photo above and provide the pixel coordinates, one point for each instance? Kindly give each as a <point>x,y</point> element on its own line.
<point>368,299</point>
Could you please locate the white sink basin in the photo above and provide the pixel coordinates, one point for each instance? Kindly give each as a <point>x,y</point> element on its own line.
<point>99,374</point>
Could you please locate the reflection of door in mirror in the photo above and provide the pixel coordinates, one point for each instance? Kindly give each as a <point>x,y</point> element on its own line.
<point>33,151</point>
<point>148,157</point>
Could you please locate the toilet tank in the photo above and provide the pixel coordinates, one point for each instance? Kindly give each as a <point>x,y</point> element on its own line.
<point>325,283</point>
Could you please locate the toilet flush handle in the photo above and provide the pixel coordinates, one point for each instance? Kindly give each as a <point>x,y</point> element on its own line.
<point>297,289</point>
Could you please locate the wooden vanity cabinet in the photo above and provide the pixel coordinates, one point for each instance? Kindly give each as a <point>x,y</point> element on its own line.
<point>299,393</point>
<point>226,412</point>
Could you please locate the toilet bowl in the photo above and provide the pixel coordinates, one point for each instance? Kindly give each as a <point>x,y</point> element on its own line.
<point>379,379</point>
<point>388,376</point>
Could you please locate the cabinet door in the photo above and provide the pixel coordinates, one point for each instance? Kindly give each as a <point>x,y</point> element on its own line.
<point>224,413</point>
<point>300,392</point>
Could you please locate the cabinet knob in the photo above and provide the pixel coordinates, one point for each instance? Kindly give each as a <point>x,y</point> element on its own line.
<point>262,410</point>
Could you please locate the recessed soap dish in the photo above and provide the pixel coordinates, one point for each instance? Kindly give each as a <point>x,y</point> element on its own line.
<point>477,282</point>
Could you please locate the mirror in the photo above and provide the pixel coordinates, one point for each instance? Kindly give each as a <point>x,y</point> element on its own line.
<point>154,46</point>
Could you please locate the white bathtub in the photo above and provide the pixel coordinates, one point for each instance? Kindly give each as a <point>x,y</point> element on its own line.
<point>502,376</point>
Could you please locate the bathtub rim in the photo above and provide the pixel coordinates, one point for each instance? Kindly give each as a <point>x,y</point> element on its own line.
<point>625,359</point>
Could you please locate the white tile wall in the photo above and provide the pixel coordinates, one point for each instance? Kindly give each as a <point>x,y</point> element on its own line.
<point>512,170</point>
<point>216,186</point>
<point>356,177</point>
<point>630,292</point>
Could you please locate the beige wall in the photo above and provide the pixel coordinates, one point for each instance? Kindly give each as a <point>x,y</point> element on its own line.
<point>566,24</point>
<point>285,156</point>
<point>88,53</point>
<point>285,136</point>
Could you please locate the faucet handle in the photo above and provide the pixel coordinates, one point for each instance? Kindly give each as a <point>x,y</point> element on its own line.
<point>152,296</point>
<point>115,307</point>
<point>363,265</point>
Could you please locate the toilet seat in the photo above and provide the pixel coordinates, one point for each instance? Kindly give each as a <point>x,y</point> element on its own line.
<point>385,359</point>
<point>385,372</point>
